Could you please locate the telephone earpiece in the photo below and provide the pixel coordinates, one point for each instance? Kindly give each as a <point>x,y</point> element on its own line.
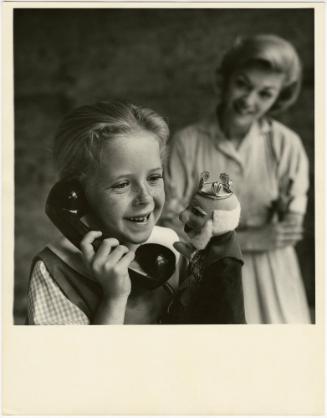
<point>65,206</point>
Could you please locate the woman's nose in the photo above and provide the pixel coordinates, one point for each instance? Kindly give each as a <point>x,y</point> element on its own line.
<point>250,99</point>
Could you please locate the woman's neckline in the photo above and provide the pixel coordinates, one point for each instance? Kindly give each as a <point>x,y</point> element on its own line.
<point>236,140</point>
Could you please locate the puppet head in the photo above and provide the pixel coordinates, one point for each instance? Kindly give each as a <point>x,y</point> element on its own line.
<point>213,210</point>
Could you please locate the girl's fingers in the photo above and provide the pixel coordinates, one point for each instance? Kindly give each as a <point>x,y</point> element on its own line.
<point>126,260</point>
<point>86,244</point>
<point>106,246</point>
<point>116,254</point>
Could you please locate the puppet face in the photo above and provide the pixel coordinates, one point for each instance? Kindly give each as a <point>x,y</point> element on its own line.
<point>197,213</point>
<point>205,217</point>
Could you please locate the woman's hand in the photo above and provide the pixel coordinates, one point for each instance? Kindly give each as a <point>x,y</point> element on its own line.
<point>272,236</point>
<point>109,266</point>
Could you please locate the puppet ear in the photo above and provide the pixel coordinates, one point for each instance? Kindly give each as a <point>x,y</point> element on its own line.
<point>184,248</point>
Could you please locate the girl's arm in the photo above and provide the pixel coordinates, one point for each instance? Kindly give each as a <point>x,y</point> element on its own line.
<point>111,311</point>
<point>109,266</point>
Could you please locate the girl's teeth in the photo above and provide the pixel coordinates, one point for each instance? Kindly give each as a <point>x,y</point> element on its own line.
<point>139,219</point>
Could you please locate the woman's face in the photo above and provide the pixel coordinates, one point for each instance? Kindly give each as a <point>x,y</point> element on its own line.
<point>249,95</point>
<point>127,192</point>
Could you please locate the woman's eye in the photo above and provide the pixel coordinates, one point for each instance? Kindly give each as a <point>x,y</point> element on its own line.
<point>265,95</point>
<point>240,83</point>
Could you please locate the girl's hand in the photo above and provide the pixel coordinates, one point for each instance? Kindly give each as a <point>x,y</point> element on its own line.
<point>271,236</point>
<point>108,265</point>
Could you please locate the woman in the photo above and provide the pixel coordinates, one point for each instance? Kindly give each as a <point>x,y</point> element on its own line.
<point>258,76</point>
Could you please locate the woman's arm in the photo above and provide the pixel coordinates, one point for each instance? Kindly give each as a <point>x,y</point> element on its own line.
<point>293,170</point>
<point>272,235</point>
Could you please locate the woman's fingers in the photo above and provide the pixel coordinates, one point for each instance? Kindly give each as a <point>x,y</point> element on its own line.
<point>288,238</point>
<point>287,233</point>
<point>290,228</point>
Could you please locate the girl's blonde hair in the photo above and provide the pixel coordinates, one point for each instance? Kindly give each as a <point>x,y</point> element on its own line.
<point>267,51</point>
<point>83,132</point>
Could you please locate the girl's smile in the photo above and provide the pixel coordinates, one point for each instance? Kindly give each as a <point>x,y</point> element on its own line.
<point>126,191</point>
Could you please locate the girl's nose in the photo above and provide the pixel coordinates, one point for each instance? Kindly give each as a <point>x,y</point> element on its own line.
<point>143,195</point>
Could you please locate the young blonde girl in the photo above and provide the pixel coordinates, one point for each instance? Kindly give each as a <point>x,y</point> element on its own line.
<point>114,151</point>
<point>258,77</point>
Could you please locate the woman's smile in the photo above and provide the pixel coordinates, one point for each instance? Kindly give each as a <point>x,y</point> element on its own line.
<point>242,109</point>
<point>249,95</point>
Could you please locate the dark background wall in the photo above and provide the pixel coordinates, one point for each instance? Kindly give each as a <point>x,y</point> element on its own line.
<point>164,59</point>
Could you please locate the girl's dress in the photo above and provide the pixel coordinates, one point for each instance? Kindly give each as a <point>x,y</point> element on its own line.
<point>61,292</point>
<point>260,168</point>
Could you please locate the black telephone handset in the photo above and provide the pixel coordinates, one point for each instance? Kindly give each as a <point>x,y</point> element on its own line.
<point>67,204</point>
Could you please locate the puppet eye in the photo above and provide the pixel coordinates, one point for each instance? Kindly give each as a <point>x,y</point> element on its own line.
<point>198,211</point>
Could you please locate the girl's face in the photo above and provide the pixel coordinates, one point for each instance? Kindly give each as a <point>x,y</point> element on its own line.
<point>127,192</point>
<point>249,95</point>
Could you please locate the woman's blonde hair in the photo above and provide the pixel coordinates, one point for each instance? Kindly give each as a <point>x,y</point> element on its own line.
<point>267,51</point>
<point>83,132</point>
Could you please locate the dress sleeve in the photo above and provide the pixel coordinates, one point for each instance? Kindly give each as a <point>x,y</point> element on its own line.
<point>179,182</point>
<point>294,168</point>
<point>47,305</point>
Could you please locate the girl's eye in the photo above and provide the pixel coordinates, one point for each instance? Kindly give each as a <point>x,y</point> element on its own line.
<point>155,178</point>
<point>121,186</point>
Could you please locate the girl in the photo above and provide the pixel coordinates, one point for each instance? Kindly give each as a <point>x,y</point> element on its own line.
<point>258,76</point>
<point>114,152</point>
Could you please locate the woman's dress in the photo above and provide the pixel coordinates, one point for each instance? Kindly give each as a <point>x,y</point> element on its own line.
<point>261,168</point>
